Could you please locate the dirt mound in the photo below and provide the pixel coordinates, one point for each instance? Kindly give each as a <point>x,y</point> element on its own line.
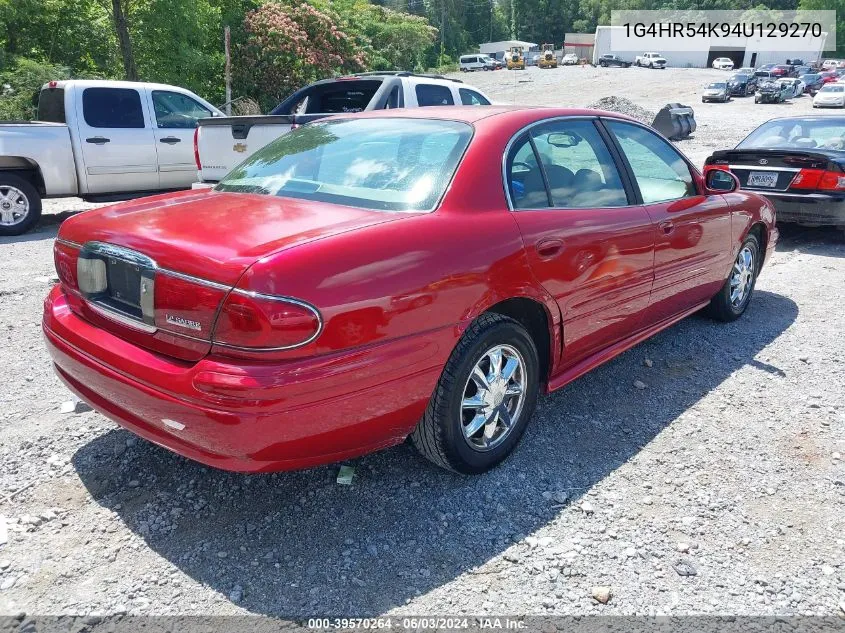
<point>623,106</point>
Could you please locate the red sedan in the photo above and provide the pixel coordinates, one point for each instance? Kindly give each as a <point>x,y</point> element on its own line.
<point>380,275</point>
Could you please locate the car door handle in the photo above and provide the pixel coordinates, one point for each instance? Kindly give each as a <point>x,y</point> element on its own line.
<point>549,247</point>
<point>170,140</point>
<point>667,226</point>
<point>98,140</point>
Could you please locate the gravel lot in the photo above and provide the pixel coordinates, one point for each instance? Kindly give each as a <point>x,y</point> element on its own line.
<point>718,488</point>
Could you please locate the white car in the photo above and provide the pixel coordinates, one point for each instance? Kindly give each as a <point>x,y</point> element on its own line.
<point>723,63</point>
<point>650,60</point>
<point>101,141</point>
<point>569,59</point>
<point>830,64</point>
<point>830,96</point>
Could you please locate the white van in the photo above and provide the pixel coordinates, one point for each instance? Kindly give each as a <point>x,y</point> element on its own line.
<point>468,63</point>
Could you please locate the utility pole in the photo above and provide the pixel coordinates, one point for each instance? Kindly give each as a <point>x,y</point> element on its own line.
<point>442,29</point>
<point>490,38</point>
<point>227,37</point>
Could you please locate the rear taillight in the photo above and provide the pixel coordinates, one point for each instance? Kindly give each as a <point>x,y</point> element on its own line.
<point>197,147</point>
<point>818,179</point>
<point>254,323</point>
<point>65,257</point>
<point>186,307</point>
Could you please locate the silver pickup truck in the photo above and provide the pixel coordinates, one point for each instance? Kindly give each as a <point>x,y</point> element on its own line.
<point>224,143</point>
<point>100,140</point>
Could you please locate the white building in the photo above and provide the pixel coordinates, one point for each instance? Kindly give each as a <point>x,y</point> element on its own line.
<point>701,51</point>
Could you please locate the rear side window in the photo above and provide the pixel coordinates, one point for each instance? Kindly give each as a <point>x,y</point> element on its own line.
<point>659,170</point>
<point>342,97</point>
<point>433,95</point>
<point>579,168</point>
<point>112,108</point>
<point>51,105</point>
<point>471,97</point>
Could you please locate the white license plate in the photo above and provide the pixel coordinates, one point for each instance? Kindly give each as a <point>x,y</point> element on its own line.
<point>762,179</point>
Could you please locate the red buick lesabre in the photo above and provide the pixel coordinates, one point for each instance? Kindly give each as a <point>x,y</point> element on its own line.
<point>374,276</point>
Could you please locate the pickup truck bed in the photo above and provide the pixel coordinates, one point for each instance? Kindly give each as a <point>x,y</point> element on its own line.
<point>223,143</point>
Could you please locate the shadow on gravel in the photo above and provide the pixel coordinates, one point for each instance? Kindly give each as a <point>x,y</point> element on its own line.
<point>823,240</point>
<point>40,232</point>
<point>298,544</point>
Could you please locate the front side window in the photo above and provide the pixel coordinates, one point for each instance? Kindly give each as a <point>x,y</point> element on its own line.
<point>579,168</point>
<point>660,171</point>
<point>471,97</point>
<point>433,95</point>
<point>392,164</point>
<point>175,110</point>
<point>112,108</point>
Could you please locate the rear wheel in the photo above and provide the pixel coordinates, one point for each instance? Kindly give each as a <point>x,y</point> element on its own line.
<point>732,300</point>
<point>484,398</point>
<point>20,205</point>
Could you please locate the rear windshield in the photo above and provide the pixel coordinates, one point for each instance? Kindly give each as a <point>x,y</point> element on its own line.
<point>826,133</point>
<point>379,164</point>
<point>716,86</point>
<point>51,105</point>
<point>336,97</point>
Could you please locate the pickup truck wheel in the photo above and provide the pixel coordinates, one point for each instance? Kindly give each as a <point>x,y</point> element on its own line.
<point>484,398</point>
<point>20,205</point>
<point>730,302</point>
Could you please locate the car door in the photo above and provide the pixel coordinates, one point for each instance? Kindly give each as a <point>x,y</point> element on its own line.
<point>587,243</point>
<point>692,251</point>
<point>116,138</point>
<point>175,115</point>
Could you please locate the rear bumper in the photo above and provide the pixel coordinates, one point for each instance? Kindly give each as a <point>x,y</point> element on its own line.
<point>811,209</point>
<point>250,417</point>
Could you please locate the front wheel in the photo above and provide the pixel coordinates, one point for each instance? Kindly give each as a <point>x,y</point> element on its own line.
<point>20,205</point>
<point>732,300</point>
<point>484,398</point>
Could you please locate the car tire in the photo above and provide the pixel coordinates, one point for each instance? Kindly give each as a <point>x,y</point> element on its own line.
<point>724,306</point>
<point>444,435</point>
<point>18,198</point>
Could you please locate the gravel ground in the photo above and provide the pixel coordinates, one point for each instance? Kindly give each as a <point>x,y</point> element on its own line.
<point>716,488</point>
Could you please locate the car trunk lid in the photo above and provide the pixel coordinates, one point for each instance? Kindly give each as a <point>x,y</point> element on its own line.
<point>155,271</point>
<point>772,170</point>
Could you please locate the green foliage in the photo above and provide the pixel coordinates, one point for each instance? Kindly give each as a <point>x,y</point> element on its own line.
<point>393,40</point>
<point>289,45</point>
<point>830,5</point>
<point>20,85</point>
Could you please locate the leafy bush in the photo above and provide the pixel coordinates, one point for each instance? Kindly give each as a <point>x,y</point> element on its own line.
<point>20,85</point>
<point>289,45</point>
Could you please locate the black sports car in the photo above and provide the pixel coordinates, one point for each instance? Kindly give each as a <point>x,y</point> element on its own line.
<point>796,162</point>
<point>613,60</point>
<point>742,85</point>
<point>813,81</point>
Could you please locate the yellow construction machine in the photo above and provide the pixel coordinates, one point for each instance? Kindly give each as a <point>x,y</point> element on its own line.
<point>547,57</point>
<point>515,58</point>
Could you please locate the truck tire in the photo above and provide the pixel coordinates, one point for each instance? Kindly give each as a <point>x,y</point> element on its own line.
<point>20,205</point>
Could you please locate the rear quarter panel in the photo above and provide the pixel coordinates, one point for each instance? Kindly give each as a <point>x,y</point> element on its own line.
<point>47,146</point>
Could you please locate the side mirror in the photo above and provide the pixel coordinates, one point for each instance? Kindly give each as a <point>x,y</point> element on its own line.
<point>721,180</point>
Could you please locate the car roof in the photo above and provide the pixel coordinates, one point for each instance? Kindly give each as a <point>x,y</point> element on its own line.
<point>472,114</point>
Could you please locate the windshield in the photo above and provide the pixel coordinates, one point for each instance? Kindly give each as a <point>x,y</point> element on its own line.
<point>740,78</point>
<point>381,164</point>
<point>762,73</point>
<point>829,88</point>
<point>811,77</point>
<point>827,133</point>
<point>716,86</point>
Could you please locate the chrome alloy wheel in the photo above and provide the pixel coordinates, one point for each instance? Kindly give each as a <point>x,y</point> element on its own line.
<point>493,397</point>
<point>14,205</point>
<point>742,276</point>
